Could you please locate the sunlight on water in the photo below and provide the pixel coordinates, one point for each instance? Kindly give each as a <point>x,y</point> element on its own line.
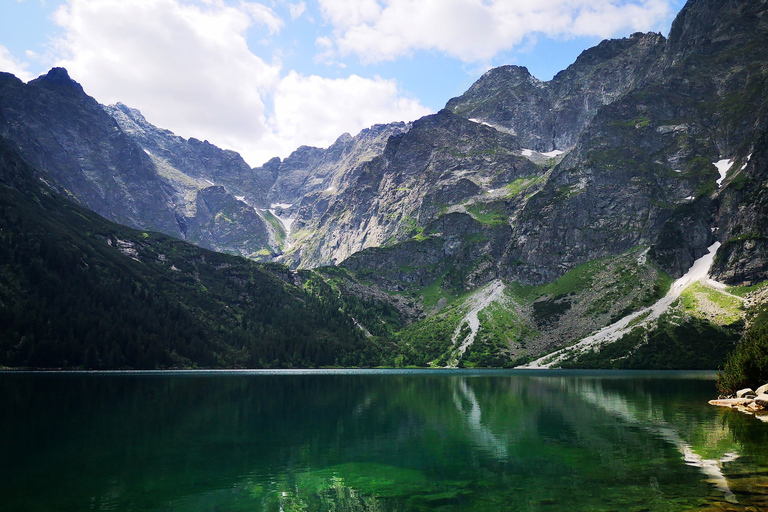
<point>376,441</point>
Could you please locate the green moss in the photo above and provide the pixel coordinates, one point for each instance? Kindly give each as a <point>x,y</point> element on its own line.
<point>489,214</point>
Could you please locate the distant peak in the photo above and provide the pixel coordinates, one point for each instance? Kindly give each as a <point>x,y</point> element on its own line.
<point>58,78</point>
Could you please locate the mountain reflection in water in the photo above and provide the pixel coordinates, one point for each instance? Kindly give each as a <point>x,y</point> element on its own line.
<point>452,441</point>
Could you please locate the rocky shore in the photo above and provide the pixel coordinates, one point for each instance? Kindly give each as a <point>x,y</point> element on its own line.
<point>748,401</point>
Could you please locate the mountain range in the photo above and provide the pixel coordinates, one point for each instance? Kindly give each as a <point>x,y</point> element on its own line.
<point>521,218</point>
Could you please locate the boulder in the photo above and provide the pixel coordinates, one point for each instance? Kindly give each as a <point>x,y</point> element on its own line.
<point>746,392</point>
<point>730,402</point>
<point>762,390</point>
<point>762,400</point>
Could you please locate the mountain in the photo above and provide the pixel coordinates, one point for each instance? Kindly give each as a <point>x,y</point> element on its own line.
<point>79,291</point>
<point>523,217</point>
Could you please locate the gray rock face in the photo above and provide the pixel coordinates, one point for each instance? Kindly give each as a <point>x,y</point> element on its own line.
<point>642,120</point>
<point>216,194</point>
<point>443,164</point>
<point>551,115</point>
<point>82,152</point>
<point>126,169</point>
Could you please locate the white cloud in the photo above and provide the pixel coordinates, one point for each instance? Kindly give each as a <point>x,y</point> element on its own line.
<point>296,10</point>
<point>474,30</point>
<point>188,68</point>
<point>317,110</point>
<point>10,64</point>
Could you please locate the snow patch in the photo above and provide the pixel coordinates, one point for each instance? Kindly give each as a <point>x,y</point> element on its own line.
<point>282,206</point>
<point>745,163</point>
<point>677,171</point>
<point>723,166</point>
<point>554,153</point>
<point>209,182</point>
<point>528,152</point>
<point>699,271</point>
<point>478,121</point>
<point>240,198</point>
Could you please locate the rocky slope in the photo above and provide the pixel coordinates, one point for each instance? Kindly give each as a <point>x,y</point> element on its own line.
<point>124,170</point>
<point>551,115</point>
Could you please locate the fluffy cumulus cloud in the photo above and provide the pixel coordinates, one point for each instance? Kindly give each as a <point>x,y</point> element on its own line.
<point>303,104</point>
<point>476,30</point>
<point>9,64</point>
<point>187,66</point>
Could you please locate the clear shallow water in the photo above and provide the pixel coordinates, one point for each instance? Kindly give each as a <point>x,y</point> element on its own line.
<point>452,441</point>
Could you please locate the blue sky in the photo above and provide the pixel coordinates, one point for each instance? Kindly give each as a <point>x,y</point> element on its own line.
<point>263,77</point>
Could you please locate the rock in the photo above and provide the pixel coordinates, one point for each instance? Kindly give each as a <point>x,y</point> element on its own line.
<point>762,390</point>
<point>762,400</point>
<point>745,393</point>
<point>730,402</point>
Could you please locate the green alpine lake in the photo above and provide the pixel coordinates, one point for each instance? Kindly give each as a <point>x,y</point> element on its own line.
<point>374,440</point>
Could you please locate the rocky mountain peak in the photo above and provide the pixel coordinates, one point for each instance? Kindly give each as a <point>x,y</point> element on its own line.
<point>58,80</point>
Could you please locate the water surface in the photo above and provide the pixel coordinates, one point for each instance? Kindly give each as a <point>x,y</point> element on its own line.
<point>452,441</point>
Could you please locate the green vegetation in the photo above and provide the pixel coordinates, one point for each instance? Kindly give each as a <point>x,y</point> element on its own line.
<point>673,344</point>
<point>725,309</point>
<point>78,291</point>
<point>500,342</point>
<point>430,339</point>
<point>277,226</point>
<point>522,184</point>
<point>489,214</point>
<point>747,366</point>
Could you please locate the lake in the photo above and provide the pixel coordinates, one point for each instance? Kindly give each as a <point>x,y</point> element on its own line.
<point>376,441</point>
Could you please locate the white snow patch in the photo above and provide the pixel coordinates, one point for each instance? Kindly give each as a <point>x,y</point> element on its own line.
<point>528,152</point>
<point>210,182</point>
<point>331,189</point>
<point>240,198</point>
<point>745,163</point>
<point>554,153</point>
<point>723,166</point>
<point>677,170</point>
<point>699,271</point>
<point>478,121</point>
<point>689,198</point>
<point>282,206</point>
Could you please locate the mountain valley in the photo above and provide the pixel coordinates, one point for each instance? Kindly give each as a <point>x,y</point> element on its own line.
<point>519,220</point>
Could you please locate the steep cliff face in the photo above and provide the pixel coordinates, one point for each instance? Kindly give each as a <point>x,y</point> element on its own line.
<point>129,171</point>
<point>444,164</point>
<point>80,150</point>
<point>218,199</point>
<point>192,160</point>
<point>551,115</point>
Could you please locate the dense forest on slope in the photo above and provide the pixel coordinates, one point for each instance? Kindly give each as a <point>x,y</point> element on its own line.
<point>79,291</point>
<point>747,365</point>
